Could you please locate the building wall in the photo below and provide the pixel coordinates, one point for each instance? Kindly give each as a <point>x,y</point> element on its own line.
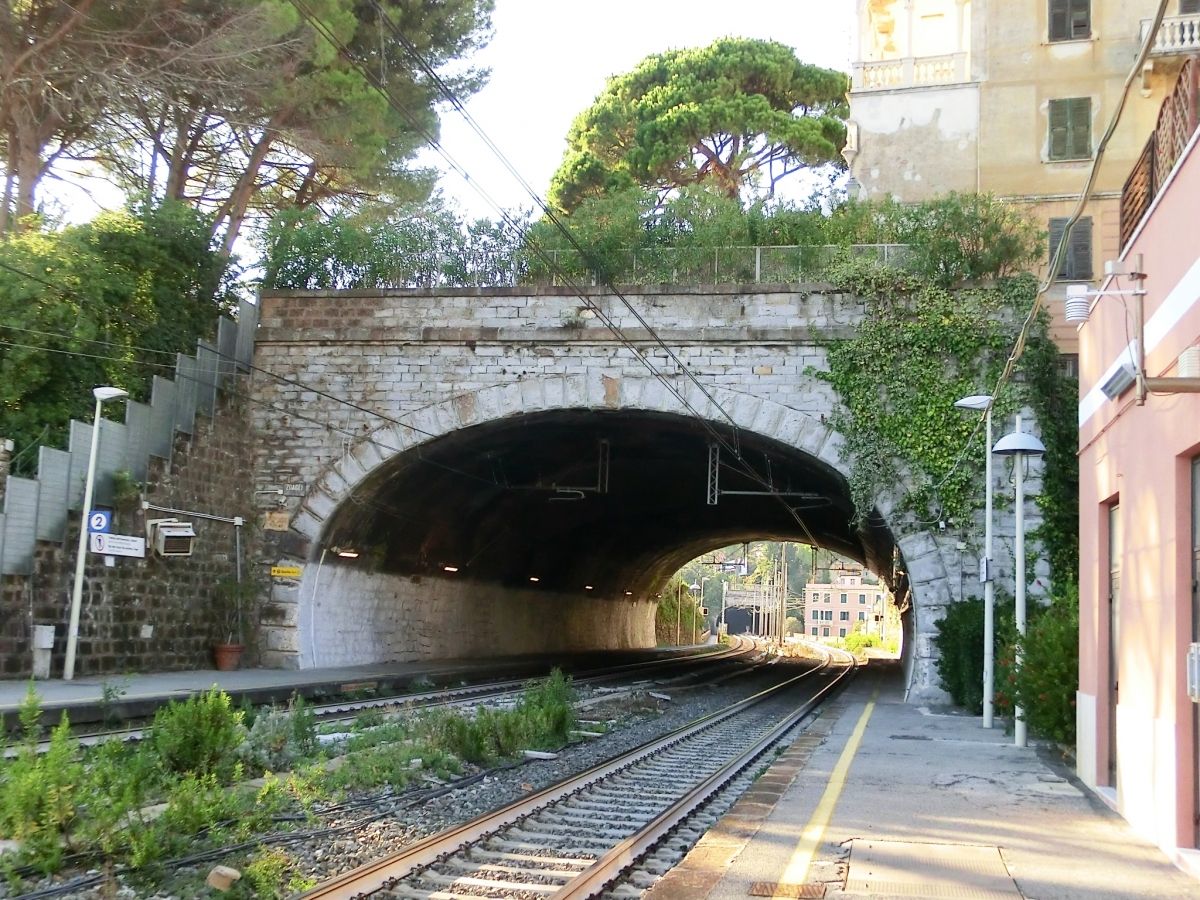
<point>824,606</point>
<point>144,614</point>
<point>984,126</point>
<point>1140,457</point>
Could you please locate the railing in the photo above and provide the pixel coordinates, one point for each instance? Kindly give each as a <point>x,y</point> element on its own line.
<point>718,265</point>
<point>1177,122</point>
<point>1177,34</point>
<point>911,71</point>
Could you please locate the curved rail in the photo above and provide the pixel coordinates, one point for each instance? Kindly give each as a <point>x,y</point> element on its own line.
<point>584,877</point>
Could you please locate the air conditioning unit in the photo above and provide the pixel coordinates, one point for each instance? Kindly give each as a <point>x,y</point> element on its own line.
<point>170,537</point>
<point>1119,381</point>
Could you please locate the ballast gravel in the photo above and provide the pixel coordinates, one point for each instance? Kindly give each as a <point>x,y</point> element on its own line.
<point>358,835</point>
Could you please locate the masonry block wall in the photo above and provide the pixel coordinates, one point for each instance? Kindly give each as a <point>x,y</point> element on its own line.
<point>390,617</point>
<point>447,359</point>
<point>152,614</point>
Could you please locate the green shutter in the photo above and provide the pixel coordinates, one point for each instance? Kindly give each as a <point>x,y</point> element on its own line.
<point>1071,128</point>
<point>1056,233</point>
<point>1059,18</point>
<point>1080,256</point>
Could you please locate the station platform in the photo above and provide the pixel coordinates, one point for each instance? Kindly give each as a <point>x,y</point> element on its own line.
<point>885,799</point>
<point>95,698</point>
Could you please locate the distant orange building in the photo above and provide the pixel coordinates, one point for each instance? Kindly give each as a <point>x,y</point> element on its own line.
<point>832,608</point>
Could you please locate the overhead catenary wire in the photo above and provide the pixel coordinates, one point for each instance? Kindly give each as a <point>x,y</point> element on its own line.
<point>732,447</point>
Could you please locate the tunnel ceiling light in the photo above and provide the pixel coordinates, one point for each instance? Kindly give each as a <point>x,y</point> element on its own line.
<point>629,593</point>
<point>534,578</point>
<point>588,587</point>
<point>348,554</point>
<point>449,568</point>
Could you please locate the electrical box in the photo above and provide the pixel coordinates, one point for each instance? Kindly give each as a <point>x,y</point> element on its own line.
<point>985,570</point>
<point>170,537</point>
<point>704,610</point>
<point>1193,672</point>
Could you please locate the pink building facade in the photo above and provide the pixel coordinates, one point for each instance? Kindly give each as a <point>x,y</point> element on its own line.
<point>1138,739</point>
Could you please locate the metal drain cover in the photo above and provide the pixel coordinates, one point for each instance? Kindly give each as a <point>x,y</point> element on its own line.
<point>807,891</point>
<point>900,868</point>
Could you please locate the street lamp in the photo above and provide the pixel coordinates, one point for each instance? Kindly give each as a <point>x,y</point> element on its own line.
<point>102,395</point>
<point>1018,445</point>
<point>983,402</point>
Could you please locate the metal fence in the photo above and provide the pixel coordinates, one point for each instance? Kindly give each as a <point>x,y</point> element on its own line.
<point>37,508</point>
<point>717,265</point>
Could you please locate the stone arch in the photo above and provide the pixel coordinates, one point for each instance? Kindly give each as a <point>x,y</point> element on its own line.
<point>928,567</point>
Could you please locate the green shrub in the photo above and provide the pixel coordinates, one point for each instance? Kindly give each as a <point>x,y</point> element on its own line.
<point>38,792</point>
<point>199,735</point>
<point>959,640</point>
<point>280,737</point>
<point>857,641</point>
<point>1045,682</point>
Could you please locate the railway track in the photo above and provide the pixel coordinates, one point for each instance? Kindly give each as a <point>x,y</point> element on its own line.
<point>575,838</point>
<point>347,710</point>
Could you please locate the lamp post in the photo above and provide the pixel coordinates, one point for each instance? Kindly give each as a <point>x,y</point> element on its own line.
<point>102,395</point>
<point>1018,445</point>
<point>984,402</point>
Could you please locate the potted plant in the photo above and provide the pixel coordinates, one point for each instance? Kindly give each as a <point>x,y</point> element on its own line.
<point>229,598</point>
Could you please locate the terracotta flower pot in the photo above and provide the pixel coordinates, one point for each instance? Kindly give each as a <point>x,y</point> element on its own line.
<point>227,656</point>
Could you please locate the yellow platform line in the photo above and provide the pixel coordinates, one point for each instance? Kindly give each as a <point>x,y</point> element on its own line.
<point>797,867</point>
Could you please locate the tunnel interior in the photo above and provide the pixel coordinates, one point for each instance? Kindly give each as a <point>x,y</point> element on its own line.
<point>603,501</point>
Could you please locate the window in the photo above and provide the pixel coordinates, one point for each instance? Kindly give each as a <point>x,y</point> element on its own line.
<point>1070,20</point>
<point>1071,128</point>
<point>1188,7</point>
<point>1076,262</point>
<point>1068,363</point>
<point>827,598</point>
<point>814,632</point>
<point>862,616</point>
<point>816,615</point>
<point>841,632</point>
<point>843,598</point>
<point>825,632</point>
<point>862,598</point>
<point>845,616</point>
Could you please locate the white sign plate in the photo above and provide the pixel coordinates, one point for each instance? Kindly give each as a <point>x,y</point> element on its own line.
<point>118,544</point>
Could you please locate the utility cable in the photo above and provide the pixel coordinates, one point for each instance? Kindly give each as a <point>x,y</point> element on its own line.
<point>388,95</point>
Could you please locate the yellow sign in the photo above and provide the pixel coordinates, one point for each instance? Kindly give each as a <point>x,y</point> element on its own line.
<point>285,571</point>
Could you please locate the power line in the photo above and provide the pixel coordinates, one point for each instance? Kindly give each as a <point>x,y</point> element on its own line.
<point>398,106</point>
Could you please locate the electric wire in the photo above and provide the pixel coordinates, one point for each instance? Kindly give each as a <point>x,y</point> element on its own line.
<point>1084,196</point>
<point>324,31</point>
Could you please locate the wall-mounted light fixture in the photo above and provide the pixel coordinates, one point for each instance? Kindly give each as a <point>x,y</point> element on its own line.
<point>534,579</point>
<point>1078,310</point>
<point>450,569</point>
<point>346,552</point>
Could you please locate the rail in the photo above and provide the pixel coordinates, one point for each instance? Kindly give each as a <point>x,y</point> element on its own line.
<point>910,71</point>
<point>586,879</point>
<point>1176,35</point>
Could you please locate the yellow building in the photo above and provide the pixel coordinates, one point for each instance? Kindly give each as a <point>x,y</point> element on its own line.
<point>1011,98</point>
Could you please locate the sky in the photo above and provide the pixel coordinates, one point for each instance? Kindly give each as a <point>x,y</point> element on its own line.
<point>549,59</point>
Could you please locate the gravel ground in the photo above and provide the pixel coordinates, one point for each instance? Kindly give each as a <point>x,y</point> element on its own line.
<point>366,833</point>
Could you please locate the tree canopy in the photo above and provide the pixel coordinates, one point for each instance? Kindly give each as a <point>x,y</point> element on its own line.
<point>234,107</point>
<point>739,114</point>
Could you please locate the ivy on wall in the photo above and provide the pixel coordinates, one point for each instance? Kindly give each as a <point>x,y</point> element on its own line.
<point>921,347</point>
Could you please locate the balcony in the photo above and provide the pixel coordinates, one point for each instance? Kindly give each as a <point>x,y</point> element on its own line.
<point>1177,35</point>
<point>911,71</point>
<point>1177,122</point>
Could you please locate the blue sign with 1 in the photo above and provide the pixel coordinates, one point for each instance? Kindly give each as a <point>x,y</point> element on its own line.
<point>99,520</point>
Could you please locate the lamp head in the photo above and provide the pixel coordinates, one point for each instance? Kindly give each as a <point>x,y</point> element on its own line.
<point>1019,442</point>
<point>104,394</point>
<point>978,402</point>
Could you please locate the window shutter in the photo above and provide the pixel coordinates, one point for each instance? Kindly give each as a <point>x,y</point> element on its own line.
<point>1059,122</point>
<point>1056,233</point>
<point>1058,20</point>
<point>1188,7</point>
<point>1081,19</point>
<point>1079,127</point>
<point>1081,249</point>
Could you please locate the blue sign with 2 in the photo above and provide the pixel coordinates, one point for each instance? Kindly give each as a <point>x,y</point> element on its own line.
<point>99,520</point>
